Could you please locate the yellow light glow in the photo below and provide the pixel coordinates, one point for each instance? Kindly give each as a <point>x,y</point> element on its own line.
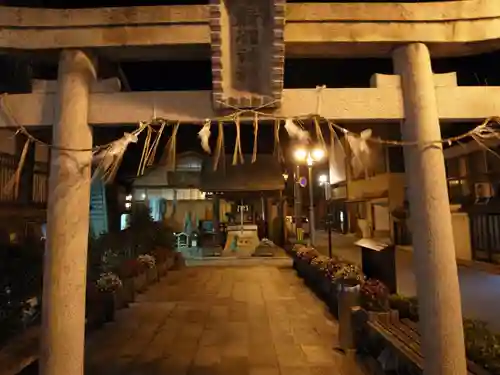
<point>300,154</point>
<point>318,154</point>
<point>323,179</point>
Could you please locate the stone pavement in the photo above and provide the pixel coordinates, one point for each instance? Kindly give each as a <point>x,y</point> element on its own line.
<point>255,320</point>
<point>480,291</point>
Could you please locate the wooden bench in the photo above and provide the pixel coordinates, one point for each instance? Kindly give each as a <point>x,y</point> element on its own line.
<point>403,336</point>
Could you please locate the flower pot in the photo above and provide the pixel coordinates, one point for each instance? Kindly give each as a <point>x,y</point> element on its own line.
<point>140,282</point>
<point>108,302</point>
<point>152,275</point>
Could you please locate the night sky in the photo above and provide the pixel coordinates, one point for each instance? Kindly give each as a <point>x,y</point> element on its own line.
<point>299,73</point>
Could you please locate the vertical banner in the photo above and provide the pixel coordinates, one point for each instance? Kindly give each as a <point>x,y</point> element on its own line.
<point>247,52</point>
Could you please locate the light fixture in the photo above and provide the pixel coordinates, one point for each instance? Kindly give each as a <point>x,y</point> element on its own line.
<point>128,198</point>
<point>300,154</point>
<point>310,160</point>
<point>128,205</point>
<point>323,179</point>
<point>318,154</point>
<point>285,176</point>
<point>143,196</point>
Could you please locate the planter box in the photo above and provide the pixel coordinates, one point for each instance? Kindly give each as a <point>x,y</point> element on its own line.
<point>109,306</point>
<point>332,300</point>
<point>120,299</point>
<point>170,263</point>
<point>372,316</point>
<point>303,268</point>
<point>162,268</point>
<point>128,290</point>
<point>152,275</point>
<point>325,287</point>
<point>140,282</point>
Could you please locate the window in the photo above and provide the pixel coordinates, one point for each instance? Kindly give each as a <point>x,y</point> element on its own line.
<point>457,189</point>
<point>189,194</point>
<point>189,164</point>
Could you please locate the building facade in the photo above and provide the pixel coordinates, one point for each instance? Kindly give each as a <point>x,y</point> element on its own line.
<point>22,212</point>
<point>473,184</point>
<point>171,193</point>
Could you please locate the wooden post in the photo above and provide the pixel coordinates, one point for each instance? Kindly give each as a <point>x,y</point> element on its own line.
<point>64,283</point>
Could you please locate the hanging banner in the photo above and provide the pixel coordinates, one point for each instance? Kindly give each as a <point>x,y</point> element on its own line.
<point>247,52</point>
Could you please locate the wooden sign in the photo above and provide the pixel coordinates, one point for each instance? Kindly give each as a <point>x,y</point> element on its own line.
<point>247,52</point>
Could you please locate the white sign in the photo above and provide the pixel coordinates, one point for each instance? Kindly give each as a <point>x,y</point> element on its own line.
<point>243,208</point>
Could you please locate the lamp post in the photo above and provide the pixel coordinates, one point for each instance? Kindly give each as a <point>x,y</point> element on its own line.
<point>310,157</point>
<point>323,180</point>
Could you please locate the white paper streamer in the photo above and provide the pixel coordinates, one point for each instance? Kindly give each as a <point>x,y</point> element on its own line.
<point>361,152</point>
<point>295,131</point>
<point>204,135</point>
<point>108,159</point>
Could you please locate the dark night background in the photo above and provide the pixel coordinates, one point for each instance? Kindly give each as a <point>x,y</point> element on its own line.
<point>196,75</point>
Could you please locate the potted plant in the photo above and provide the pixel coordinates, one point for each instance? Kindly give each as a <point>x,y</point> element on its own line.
<point>108,283</point>
<point>374,299</point>
<point>149,264</point>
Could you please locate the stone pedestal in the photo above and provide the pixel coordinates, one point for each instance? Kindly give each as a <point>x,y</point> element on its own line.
<point>64,284</point>
<point>436,269</point>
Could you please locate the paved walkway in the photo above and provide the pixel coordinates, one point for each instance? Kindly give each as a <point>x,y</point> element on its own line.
<point>255,320</point>
<point>480,291</point>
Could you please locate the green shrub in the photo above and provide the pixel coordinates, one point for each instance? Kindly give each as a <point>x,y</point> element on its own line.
<point>482,345</point>
<point>406,306</point>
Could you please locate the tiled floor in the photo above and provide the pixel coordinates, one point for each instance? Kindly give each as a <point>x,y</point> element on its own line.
<point>257,320</point>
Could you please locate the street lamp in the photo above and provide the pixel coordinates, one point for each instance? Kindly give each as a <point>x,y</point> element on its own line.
<point>323,180</point>
<point>310,156</point>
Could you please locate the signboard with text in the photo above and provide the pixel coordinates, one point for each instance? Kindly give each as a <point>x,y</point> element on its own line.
<point>247,52</point>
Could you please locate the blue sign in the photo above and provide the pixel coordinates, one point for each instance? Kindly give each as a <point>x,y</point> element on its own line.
<point>303,181</point>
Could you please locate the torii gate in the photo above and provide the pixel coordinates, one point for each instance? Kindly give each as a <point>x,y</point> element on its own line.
<point>419,99</point>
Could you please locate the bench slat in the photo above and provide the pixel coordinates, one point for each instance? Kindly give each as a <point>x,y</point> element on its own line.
<point>397,343</point>
<point>406,332</point>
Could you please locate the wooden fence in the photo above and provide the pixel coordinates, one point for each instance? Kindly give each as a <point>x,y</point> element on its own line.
<point>8,165</point>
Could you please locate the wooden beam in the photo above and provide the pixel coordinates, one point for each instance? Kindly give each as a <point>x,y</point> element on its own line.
<point>344,105</point>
